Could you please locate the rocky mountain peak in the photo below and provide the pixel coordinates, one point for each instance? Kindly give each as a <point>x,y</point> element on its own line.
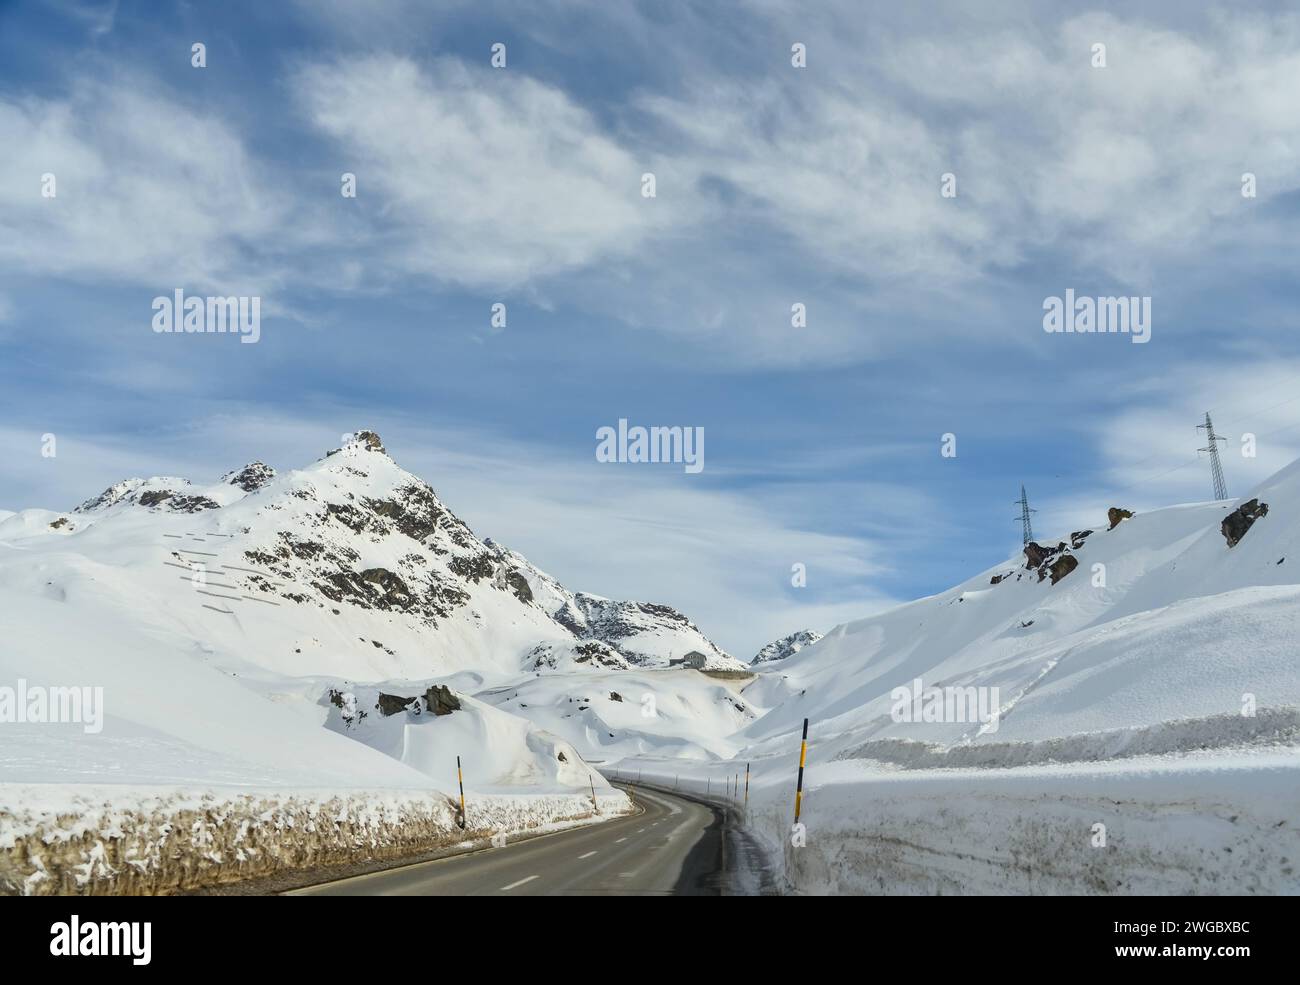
<point>786,646</point>
<point>363,440</point>
<point>251,477</point>
<point>353,540</point>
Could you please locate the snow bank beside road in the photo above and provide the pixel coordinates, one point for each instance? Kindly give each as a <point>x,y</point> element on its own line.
<point>1210,824</point>
<point>121,840</point>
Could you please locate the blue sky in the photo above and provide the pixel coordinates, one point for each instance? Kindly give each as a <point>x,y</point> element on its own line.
<point>775,185</point>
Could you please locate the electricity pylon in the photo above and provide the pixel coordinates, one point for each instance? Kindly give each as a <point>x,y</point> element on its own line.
<point>1026,528</point>
<point>1216,467</point>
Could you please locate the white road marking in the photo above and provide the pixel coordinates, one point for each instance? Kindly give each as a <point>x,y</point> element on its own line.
<point>588,855</point>
<point>620,841</point>
<point>640,831</point>
<point>516,885</point>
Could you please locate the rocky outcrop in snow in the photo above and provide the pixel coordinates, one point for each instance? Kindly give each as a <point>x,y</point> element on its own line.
<point>641,634</point>
<point>251,477</point>
<point>786,646</point>
<point>1054,562</point>
<point>1236,523</point>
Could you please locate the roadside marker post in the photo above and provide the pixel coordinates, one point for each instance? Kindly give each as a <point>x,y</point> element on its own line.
<point>746,785</point>
<point>460,779</point>
<point>594,808</point>
<point>803,759</point>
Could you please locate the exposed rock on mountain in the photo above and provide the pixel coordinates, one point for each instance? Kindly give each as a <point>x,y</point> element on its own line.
<point>1062,566</point>
<point>575,655</point>
<point>160,491</point>
<point>1115,515</point>
<point>786,646</point>
<point>641,634</point>
<point>1236,523</point>
<point>437,700</point>
<point>251,477</point>
<point>1054,562</point>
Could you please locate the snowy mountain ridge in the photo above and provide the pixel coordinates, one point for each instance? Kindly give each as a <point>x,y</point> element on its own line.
<point>1182,612</point>
<point>786,646</point>
<point>355,537</point>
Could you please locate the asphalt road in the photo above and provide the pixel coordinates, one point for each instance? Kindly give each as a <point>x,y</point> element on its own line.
<point>673,847</point>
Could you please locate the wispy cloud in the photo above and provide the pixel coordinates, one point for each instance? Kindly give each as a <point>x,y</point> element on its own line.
<point>487,178</point>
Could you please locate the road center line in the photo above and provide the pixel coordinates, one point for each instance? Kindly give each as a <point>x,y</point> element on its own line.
<point>620,841</point>
<point>588,855</point>
<point>516,885</point>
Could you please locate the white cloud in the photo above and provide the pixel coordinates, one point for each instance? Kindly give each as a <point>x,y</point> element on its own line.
<point>1148,441</point>
<point>1117,168</point>
<point>488,177</point>
<point>147,189</point>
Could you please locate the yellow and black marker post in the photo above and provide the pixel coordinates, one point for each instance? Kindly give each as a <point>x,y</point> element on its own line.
<point>461,780</point>
<point>592,780</point>
<point>803,759</point>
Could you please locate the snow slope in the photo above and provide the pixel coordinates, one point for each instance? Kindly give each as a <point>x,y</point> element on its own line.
<point>610,716</point>
<point>1147,735</point>
<point>1160,620</point>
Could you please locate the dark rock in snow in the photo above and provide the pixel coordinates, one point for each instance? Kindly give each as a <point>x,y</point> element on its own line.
<point>439,700</point>
<point>370,440</point>
<point>786,646</point>
<point>391,704</point>
<point>1236,523</point>
<point>251,477</point>
<point>1115,515</point>
<point>519,585</point>
<point>391,584</point>
<point>1053,561</point>
<point>1062,566</point>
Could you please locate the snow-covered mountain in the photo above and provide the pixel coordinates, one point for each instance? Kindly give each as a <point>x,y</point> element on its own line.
<point>786,646</point>
<point>1171,614</point>
<point>1116,711</point>
<point>352,567</point>
<point>324,629</point>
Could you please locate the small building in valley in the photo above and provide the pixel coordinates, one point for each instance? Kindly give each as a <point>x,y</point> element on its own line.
<point>694,660</point>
